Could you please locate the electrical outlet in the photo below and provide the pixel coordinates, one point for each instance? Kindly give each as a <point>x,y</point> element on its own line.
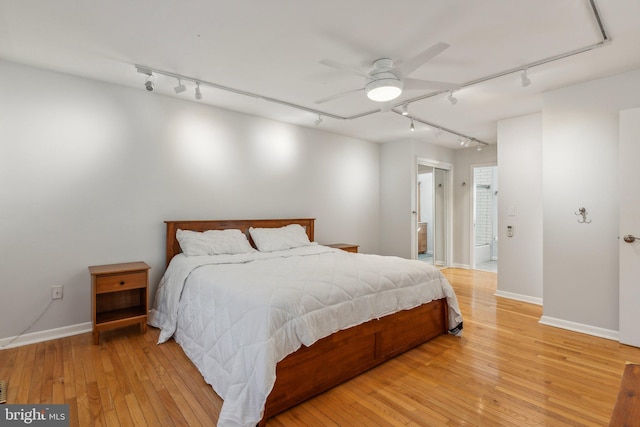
<point>56,292</point>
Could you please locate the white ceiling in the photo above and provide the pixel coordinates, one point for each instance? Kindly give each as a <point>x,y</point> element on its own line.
<point>273,48</point>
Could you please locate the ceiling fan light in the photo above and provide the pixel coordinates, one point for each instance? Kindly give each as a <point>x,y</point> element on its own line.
<point>383,90</point>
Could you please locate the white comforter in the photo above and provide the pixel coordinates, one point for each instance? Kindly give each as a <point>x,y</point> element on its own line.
<point>236,316</point>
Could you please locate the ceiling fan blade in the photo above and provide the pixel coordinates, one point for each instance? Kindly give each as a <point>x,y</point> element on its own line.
<point>413,84</point>
<point>409,66</point>
<point>333,64</point>
<point>336,96</point>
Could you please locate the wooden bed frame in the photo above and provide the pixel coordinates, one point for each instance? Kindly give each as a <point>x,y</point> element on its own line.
<point>338,357</point>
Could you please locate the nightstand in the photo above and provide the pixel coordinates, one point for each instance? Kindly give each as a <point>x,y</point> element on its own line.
<point>345,247</point>
<point>119,296</point>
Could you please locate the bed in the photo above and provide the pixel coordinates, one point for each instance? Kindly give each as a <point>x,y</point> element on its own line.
<point>310,352</point>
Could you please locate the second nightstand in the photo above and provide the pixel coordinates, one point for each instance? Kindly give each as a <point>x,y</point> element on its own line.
<point>345,247</point>
<point>119,296</point>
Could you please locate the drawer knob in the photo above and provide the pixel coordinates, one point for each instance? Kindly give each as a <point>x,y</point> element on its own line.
<point>121,282</point>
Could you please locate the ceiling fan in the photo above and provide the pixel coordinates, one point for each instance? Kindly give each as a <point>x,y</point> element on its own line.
<point>386,81</point>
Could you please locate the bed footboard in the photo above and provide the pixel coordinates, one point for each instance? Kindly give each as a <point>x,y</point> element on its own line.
<point>345,354</point>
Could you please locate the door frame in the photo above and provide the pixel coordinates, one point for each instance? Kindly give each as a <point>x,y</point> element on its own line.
<point>448,206</point>
<point>472,211</point>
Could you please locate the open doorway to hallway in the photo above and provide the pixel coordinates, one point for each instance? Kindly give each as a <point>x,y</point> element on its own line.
<point>484,253</point>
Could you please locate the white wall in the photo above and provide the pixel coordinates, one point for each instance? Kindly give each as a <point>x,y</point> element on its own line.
<point>90,171</point>
<point>395,199</point>
<point>520,183</point>
<point>580,159</point>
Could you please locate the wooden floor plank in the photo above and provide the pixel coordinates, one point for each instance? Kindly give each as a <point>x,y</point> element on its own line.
<point>35,386</point>
<point>506,369</point>
<point>627,408</point>
<point>138,418</point>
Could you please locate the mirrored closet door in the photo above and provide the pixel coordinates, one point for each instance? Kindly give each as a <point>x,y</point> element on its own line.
<point>432,214</point>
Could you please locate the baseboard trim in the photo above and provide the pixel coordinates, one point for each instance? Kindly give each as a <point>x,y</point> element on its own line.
<point>519,297</point>
<point>580,327</point>
<point>50,334</point>
<point>463,266</point>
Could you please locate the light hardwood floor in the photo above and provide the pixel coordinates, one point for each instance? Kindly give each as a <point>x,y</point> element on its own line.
<point>506,370</point>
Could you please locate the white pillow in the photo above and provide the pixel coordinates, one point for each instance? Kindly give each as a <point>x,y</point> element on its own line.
<point>213,242</point>
<point>277,239</point>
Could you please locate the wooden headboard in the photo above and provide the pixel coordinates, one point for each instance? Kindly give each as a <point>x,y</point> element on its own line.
<point>173,247</point>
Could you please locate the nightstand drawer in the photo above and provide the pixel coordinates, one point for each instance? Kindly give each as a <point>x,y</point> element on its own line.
<point>121,282</point>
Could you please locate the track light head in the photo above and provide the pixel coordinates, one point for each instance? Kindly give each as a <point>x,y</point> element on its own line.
<point>198,92</point>
<point>180,88</point>
<point>318,120</point>
<point>412,127</point>
<point>148,83</point>
<point>452,99</point>
<point>405,110</point>
<point>525,78</point>
<point>479,147</point>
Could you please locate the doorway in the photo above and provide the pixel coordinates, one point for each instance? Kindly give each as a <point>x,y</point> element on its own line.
<point>432,213</point>
<point>484,247</point>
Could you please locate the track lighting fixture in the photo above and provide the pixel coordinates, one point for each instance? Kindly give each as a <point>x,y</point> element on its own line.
<point>479,147</point>
<point>464,142</point>
<point>452,99</point>
<point>148,83</point>
<point>180,88</point>
<point>150,74</point>
<point>525,78</point>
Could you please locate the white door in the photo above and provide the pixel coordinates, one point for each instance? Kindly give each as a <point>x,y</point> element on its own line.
<point>630,227</point>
